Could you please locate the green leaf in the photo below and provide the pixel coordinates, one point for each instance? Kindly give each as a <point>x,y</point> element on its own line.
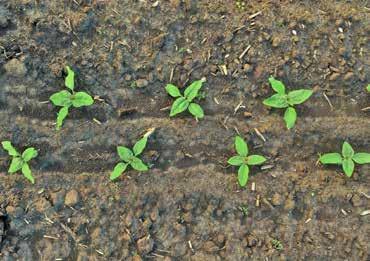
<point>70,79</point>
<point>278,86</point>
<point>361,158</point>
<point>368,88</point>
<point>118,170</point>
<point>290,116</point>
<point>124,153</point>
<point>276,101</point>
<point>255,160</point>
<point>62,98</point>
<point>27,173</point>
<point>243,175</point>
<point>140,146</point>
<point>137,164</point>
<point>196,110</point>
<point>348,167</point>
<point>347,150</point>
<point>236,160</point>
<point>299,96</point>
<point>7,145</point>
<point>331,158</point>
<point>15,165</point>
<point>173,90</point>
<point>192,90</point>
<point>62,114</point>
<point>180,105</point>
<point>29,154</point>
<point>80,99</point>
<point>241,146</point>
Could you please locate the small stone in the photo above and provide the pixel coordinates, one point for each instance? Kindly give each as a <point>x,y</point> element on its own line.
<point>141,83</point>
<point>15,67</point>
<point>356,201</point>
<point>251,241</point>
<point>72,198</point>
<point>276,41</point>
<point>4,17</point>
<point>210,247</point>
<point>247,68</point>
<point>277,199</point>
<point>334,76</point>
<point>348,76</point>
<point>145,245</point>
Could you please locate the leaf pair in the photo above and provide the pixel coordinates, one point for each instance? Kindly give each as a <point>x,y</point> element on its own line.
<point>129,157</point>
<point>19,161</point>
<point>347,159</point>
<point>243,160</point>
<point>66,99</point>
<point>282,100</point>
<point>185,102</point>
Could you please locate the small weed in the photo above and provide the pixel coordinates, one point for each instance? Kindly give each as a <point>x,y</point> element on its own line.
<point>277,244</point>
<point>243,160</point>
<point>185,102</point>
<point>282,100</point>
<point>19,161</point>
<point>240,4</point>
<point>368,88</point>
<point>66,99</point>
<point>129,157</point>
<point>244,210</point>
<point>347,159</point>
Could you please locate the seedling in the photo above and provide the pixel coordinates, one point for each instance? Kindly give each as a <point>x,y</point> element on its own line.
<point>347,159</point>
<point>20,161</point>
<point>130,157</point>
<point>244,161</point>
<point>283,100</point>
<point>67,99</point>
<point>277,244</point>
<point>368,88</point>
<point>184,102</point>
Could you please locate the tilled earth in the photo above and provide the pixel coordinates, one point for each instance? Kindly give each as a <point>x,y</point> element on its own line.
<point>189,205</point>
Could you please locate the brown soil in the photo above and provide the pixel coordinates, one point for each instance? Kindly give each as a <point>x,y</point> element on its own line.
<point>189,205</point>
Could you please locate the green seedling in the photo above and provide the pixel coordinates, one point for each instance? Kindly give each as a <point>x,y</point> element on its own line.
<point>347,159</point>
<point>20,161</point>
<point>286,100</point>
<point>130,157</point>
<point>368,88</point>
<point>184,102</point>
<point>277,244</point>
<point>67,99</point>
<point>244,161</point>
<point>244,210</point>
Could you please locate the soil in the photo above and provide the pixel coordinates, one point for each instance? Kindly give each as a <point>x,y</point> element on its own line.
<point>189,205</point>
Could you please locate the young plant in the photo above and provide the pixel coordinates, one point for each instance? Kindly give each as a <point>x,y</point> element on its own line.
<point>244,161</point>
<point>184,102</point>
<point>368,88</point>
<point>67,99</point>
<point>347,159</point>
<point>19,161</point>
<point>130,157</point>
<point>286,100</point>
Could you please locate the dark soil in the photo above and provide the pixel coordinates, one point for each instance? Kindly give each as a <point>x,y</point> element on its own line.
<point>189,205</point>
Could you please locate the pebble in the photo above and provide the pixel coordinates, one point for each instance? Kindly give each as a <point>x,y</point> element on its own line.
<point>141,83</point>
<point>145,245</point>
<point>348,76</point>
<point>72,198</point>
<point>15,67</point>
<point>277,199</point>
<point>4,17</point>
<point>334,76</point>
